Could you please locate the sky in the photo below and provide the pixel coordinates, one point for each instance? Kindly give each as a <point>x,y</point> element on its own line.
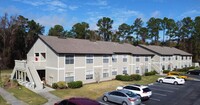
<point>69,12</point>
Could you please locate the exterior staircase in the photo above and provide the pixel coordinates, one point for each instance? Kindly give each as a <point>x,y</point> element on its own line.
<point>29,69</point>
<point>155,66</point>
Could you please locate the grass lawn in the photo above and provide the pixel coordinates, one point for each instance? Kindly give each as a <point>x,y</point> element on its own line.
<point>21,92</point>
<point>3,102</point>
<point>96,90</point>
<point>27,96</point>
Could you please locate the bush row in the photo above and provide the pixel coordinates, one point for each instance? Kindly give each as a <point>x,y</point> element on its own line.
<point>132,77</point>
<point>150,73</point>
<point>76,84</point>
<point>166,71</point>
<point>64,85</point>
<point>185,69</point>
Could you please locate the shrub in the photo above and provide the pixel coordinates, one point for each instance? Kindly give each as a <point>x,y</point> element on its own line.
<point>166,71</point>
<point>150,73</point>
<point>135,77</point>
<point>125,78</point>
<point>118,77</point>
<point>75,84</point>
<point>61,85</point>
<point>55,85</point>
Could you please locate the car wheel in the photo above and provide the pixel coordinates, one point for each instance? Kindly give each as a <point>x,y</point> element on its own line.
<point>105,98</point>
<point>160,81</point>
<point>175,83</point>
<point>139,95</point>
<point>124,103</point>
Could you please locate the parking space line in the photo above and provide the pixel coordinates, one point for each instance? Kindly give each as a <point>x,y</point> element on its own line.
<point>166,87</point>
<point>154,99</point>
<point>103,103</point>
<point>159,94</point>
<point>162,90</point>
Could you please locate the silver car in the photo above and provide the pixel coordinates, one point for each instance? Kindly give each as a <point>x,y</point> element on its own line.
<point>123,97</point>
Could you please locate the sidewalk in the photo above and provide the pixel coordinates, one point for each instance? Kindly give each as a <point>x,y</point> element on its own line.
<point>46,94</point>
<point>10,98</point>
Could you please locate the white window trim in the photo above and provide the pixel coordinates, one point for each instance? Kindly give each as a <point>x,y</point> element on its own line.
<point>91,71</point>
<point>89,58</point>
<point>105,71</point>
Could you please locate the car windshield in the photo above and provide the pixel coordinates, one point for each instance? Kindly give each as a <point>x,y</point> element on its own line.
<point>131,94</point>
<point>146,90</point>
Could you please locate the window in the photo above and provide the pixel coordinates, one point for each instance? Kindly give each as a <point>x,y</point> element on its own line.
<point>69,59</point>
<point>163,67</point>
<point>182,58</point>
<point>43,57</point>
<point>169,58</point>
<point>37,54</point>
<point>105,59</point>
<point>176,58</point>
<point>114,72</point>
<point>163,59</point>
<point>89,74</point>
<point>124,58</point>
<point>146,69</point>
<point>105,73</point>
<point>137,70</point>
<point>69,77</point>
<point>114,58</point>
<point>137,59</point>
<point>186,58</point>
<point>125,70</point>
<point>89,58</point>
<point>146,59</point>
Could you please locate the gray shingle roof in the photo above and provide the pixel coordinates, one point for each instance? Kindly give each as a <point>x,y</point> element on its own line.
<point>163,50</point>
<point>81,46</point>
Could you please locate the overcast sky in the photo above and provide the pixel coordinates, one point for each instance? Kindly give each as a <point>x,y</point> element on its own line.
<point>68,12</point>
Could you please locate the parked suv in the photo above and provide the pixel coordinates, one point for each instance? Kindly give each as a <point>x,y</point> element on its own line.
<point>77,101</point>
<point>143,91</point>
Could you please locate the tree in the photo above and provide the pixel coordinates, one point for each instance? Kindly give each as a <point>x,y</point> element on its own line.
<point>137,27</point>
<point>144,34</point>
<point>171,29</point>
<point>17,35</point>
<point>105,26</point>
<point>124,31</point>
<point>186,30</point>
<point>164,23</point>
<point>154,25</point>
<point>57,30</point>
<point>81,30</point>
<point>195,39</point>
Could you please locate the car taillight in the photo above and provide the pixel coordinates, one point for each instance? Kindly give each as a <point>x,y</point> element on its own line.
<point>132,99</point>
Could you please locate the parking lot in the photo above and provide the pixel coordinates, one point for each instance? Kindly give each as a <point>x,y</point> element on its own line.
<point>169,94</point>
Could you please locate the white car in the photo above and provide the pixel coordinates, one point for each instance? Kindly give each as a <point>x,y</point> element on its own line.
<point>171,79</point>
<point>143,91</point>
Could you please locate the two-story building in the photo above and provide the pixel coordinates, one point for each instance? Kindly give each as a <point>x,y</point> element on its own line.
<point>56,59</point>
<point>168,58</point>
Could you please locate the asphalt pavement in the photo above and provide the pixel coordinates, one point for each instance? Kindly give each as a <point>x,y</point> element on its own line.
<point>169,94</point>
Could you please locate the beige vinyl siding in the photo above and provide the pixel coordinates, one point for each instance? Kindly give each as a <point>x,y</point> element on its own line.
<point>52,58</point>
<point>51,75</point>
<point>98,60</point>
<point>61,61</point>
<point>61,75</point>
<point>79,60</point>
<point>80,74</point>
